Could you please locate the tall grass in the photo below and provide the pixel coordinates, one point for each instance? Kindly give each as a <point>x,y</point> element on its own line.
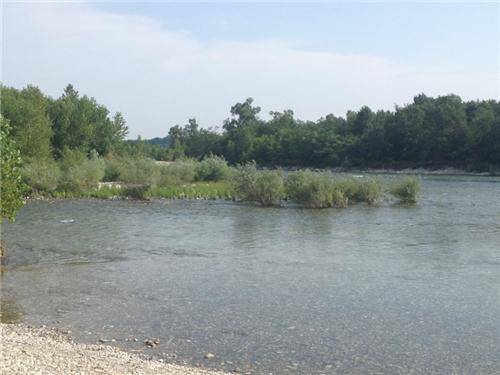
<point>406,190</point>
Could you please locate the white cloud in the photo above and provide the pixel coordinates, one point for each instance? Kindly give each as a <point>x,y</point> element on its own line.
<point>158,77</point>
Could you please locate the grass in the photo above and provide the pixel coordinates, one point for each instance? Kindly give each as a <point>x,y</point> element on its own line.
<point>196,190</point>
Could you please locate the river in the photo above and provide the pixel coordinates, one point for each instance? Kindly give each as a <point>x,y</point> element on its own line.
<point>384,289</point>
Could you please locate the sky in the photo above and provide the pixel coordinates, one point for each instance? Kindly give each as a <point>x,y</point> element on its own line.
<point>162,63</point>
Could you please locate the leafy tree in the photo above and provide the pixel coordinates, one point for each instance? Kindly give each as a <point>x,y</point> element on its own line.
<point>11,186</point>
<point>31,127</point>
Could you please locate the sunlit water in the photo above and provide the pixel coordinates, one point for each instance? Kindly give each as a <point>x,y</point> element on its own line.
<point>385,289</point>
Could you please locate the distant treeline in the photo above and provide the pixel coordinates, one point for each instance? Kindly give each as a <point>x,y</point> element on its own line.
<point>429,132</point>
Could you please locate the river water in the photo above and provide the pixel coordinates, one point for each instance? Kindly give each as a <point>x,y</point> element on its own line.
<point>386,289</point>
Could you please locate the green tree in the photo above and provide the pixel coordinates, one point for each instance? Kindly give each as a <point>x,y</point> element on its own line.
<point>31,127</point>
<point>11,186</point>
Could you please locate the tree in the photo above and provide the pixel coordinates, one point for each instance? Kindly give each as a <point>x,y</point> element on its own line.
<point>31,127</point>
<point>11,186</point>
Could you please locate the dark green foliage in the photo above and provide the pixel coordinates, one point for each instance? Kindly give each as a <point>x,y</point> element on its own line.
<point>406,190</point>
<point>430,132</point>
<point>11,186</point>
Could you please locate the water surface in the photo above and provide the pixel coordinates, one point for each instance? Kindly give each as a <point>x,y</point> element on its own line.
<point>385,289</point>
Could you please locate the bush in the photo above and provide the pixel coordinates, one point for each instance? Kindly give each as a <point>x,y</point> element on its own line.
<point>183,171</point>
<point>41,175</point>
<point>406,190</point>
<point>212,168</point>
<point>84,175</point>
<point>142,192</point>
<point>112,170</point>
<point>138,171</point>
<point>314,190</point>
<point>264,187</point>
<point>369,191</point>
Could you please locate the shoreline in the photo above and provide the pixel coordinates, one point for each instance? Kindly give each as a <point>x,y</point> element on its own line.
<point>29,350</point>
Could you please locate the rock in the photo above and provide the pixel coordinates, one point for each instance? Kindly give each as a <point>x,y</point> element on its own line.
<point>102,341</point>
<point>152,342</point>
<point>209,355</point>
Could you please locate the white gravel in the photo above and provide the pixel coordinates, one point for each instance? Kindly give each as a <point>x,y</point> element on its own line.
<point>26,350</point>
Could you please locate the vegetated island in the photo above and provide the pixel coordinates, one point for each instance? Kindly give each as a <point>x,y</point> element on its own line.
<point>27,350</point>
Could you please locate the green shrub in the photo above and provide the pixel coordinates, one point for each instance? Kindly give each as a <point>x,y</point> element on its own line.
<point>142,192</point>
<point>41,175</point>
<point>264,187</point>
<point>212,168</point>
<point>107,192</point>
<point>369,190</point>
<point>269,188</point>
<point>80,178</point>
<point>113,168</point>
<point>314,190</point>
<point>406,190</point>
<point>179,172</point>
<point>138,171</point>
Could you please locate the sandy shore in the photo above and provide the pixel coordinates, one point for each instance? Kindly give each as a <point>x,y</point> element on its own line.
<point>25,350</point>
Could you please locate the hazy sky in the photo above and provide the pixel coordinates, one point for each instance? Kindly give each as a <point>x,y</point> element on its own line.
<point>162,63</point>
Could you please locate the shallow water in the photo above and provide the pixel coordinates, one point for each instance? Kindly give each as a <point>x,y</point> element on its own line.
<point>386,289</point>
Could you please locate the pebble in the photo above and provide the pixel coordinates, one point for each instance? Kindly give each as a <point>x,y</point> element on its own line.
<point>55,355</point>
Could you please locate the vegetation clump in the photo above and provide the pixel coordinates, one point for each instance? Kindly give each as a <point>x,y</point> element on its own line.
<point>42,176</point>
<point>406,190</point>
<point>212,168</point>
<point>314,190</point>
<point>264,187</point>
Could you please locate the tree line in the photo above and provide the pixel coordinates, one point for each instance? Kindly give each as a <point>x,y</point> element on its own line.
<point>429,132</point>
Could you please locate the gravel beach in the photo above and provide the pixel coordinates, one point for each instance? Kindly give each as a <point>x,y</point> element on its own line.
<point>26,350</point>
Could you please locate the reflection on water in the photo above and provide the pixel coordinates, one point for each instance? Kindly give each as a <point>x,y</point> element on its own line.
<point>388,289</point>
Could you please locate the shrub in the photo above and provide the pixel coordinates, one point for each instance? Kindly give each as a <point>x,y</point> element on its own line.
<point>264,187</point>
<point>406,190</point>
<point>183,171</point>
<point>138,171</point>
<point>81,177</point>
<point>42,175</point>
<point>314,190</point>
<point>112,169</point>
<point>369,191</point>
<point>142,192</point>
<point>269,188</point>
<point>212,168</point>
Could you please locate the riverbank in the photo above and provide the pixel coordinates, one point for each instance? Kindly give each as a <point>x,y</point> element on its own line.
<point>27,350</point>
